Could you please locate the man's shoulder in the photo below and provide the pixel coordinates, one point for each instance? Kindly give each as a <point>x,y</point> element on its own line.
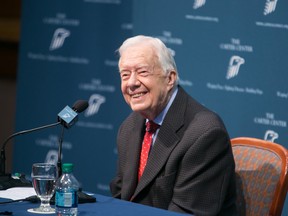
<point>198,113</point>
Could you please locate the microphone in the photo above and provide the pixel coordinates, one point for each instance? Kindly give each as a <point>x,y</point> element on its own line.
<point>80,105</point>
<point>67,117</point>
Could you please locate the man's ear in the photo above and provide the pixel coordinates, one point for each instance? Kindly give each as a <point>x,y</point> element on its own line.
<point>171,78</point>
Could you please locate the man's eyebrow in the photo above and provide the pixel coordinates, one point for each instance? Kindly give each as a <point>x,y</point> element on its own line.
<point>139,67</point>
<point>123,68</point>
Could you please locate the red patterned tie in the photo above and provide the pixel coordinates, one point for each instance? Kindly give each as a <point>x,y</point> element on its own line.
<point>151,128</point>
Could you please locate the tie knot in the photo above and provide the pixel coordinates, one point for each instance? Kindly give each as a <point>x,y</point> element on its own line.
<point>151,126</point>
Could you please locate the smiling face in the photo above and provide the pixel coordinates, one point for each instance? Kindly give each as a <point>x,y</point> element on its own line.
<point>145,86</point>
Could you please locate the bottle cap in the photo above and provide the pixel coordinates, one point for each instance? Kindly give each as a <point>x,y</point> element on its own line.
<point>67,167</point>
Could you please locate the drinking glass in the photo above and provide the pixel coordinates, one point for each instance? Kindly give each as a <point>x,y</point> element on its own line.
<point>44,176</point>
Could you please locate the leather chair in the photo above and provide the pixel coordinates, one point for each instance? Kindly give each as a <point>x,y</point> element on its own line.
<point>261,176</point>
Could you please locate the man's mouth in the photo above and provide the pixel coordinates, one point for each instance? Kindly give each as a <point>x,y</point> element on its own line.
<point>138,95</point>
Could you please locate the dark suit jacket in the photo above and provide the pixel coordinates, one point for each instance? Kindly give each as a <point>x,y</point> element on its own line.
<point>190,167</point>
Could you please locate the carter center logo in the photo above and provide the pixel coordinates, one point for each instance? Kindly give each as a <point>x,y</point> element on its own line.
<point>234,66</point>
<point>271,135</point>
<point>95,102</point>
<point>270,6</point>
<point>58,39</point>
<point>198,3</point>
<point>52,157</point>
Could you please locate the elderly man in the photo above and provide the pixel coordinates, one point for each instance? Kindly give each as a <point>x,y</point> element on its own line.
<point>183,162</point>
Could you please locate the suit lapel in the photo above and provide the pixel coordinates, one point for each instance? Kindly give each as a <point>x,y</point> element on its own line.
<point>167,139</point>
<point>162,146</point>
<point>135,142</point>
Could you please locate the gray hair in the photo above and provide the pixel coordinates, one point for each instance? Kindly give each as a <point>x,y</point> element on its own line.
<point>163,53</point>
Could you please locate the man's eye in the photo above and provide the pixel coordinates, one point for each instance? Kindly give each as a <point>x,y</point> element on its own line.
<point>124,75</point>
<point>143,73</point>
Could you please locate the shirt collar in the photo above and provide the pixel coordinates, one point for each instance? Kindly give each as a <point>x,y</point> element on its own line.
<point>159,119</point>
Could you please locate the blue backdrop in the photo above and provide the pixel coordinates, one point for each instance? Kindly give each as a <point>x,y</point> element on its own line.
<point>231,56</point>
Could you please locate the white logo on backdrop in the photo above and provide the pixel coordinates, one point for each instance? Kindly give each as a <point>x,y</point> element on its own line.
<point>270,6</point>
<point>269,119</point>
<point>59,37</point>
<point>234,66</point>
<point>271,135</point>
<point>52,157</point>
<point>168,38</point>
<point>198,3</point>
<point>95,102</point>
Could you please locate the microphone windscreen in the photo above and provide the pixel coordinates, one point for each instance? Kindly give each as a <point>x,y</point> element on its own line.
<point>80,105</point>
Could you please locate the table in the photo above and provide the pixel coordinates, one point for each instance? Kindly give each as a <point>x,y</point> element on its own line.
<point>104,206</point>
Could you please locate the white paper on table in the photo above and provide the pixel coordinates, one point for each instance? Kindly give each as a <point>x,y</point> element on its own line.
<point>17,193</point>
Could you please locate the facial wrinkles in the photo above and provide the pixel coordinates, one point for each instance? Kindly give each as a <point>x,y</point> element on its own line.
<point>132,58</point>
<point>163,98</point>
<point>163,94</point>
<point>154,82</point>
<point>138,70</point>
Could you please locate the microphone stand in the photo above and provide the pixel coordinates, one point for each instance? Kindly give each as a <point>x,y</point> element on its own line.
<point>6,181</point>
<point>82,197</point>
<point>59,162</point>
<point>64,117</point>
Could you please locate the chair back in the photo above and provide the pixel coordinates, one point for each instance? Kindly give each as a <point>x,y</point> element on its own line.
<point>261,176</point>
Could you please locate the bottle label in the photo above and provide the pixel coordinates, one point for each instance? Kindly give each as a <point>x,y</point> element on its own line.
<point>66,199</point>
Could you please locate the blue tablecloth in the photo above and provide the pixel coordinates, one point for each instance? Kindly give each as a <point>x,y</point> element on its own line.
<point>104,206</point>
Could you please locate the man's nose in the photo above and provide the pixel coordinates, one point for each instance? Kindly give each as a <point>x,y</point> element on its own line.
<point>133,80</point>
